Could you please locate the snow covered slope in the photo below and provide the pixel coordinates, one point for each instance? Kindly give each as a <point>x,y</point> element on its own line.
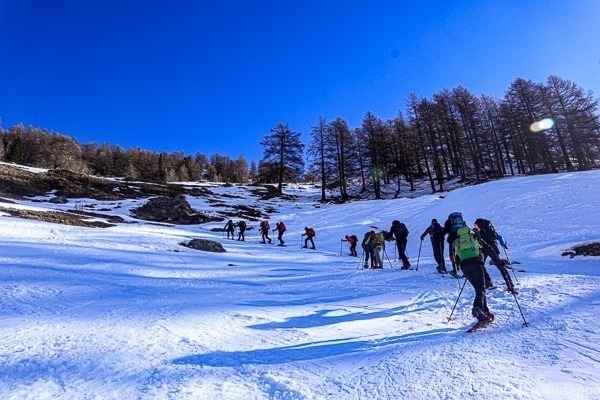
<point>127,313</point>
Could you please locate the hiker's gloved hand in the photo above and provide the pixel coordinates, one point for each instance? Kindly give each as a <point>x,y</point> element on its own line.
<point>422,237</point>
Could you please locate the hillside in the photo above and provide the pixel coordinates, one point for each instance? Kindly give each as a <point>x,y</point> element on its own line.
<point>126,312</point>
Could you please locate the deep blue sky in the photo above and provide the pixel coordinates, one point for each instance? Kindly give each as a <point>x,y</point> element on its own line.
<point>215,76</point>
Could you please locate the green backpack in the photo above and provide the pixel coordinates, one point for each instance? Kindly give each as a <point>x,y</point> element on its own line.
<point>466,245</point>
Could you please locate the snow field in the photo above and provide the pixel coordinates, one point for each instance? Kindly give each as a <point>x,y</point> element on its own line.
<point>126,312</point>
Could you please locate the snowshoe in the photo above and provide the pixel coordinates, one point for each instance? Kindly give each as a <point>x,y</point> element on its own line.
<point>479,325</point>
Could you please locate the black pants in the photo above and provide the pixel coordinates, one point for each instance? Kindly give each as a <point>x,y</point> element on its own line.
<point>473,271</point>
<point>265,235</point>
<point>241,235</point>
<point>401,244</point>
<point>494,253</point>
<point>353,249</point>
<point>230,232</point>
<point>438,252</point>
<point>309,239</point>
<point>368,252</point>
<point>280,238</point>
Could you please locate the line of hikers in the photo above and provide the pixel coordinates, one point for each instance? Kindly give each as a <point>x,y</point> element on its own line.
<point>468,248</point>
<point>264,230</point>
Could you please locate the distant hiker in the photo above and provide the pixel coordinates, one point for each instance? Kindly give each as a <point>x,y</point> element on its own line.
<point>400,232</point>
<point>353,240</point>
<point>242,227</point>
<point>264,231</point>
<point>280,227</point>
<point>437,243</point>
<point>230,229</point>
<point>485,232</point>
<point>367,246</point>
<point>467,253</point>
<point>310,234</point>
<point>377,241</point>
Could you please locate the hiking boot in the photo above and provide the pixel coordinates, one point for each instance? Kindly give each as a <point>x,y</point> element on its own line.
<point>490,316</point>
<point>480,315</point>
<point>512,290</point>
<point>490,286</point>
<point>405,267</point>
<point>304,247</point>
<point>312,248</point>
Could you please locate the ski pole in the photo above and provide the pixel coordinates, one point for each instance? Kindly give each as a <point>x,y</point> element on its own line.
<point>510,263</point>
<point>341,240</point>
<point>453,308</point>
<point>385,252</point>
<point>395,251</point>
<point>419,256</point>
<point>360,263</point>
<point>525,323</point>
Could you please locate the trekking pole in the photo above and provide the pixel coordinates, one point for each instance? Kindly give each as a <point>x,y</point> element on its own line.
<point>385,252</point>
<point>360,263</point>
<point>525,323</point>
<point>395,251</point>
<point>419,256</point>
<point>511,265</point>
<point>453,308</point>
<point>341,240</point>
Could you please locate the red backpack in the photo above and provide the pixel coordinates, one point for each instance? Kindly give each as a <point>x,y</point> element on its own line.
<point>282,227</point>
<point>310,232</point>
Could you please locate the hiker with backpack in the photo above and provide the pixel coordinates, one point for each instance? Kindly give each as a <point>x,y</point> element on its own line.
<point>453,223</point>
<point>310,234</point>
<point>486,232</point>
<point>467,253</point>
<point>378,243</point>
<point>242,228</point>
<point>400,232</point>
<point>230,229</point>
<point>437,244</point>
<point>280,227</point>
<point>353,240</point>
<point>367,247</point>
<point>264,231</point>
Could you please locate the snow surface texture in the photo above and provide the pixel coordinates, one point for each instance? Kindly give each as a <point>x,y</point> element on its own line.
<point>127,313</point>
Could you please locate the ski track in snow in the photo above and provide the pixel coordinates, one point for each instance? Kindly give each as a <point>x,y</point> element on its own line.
<point>118,313</point>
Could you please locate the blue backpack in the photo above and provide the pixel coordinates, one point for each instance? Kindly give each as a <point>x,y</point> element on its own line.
<point>456,221</point>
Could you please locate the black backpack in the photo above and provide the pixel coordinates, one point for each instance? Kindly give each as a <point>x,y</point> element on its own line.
<point>488,233</point>
<point>436,231</point>
<point>402,230</point>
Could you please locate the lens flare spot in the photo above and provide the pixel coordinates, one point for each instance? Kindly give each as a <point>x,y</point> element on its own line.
<point>542,125</point>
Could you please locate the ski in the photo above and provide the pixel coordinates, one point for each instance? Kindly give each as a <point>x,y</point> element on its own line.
<point>479,325</point>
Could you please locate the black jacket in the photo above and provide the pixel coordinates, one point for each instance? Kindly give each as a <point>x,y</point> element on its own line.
<point>435,230</point>
<point>399,231</point>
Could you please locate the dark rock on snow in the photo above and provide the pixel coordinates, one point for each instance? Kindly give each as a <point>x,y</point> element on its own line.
<point>58,200</point>
<point>204,245</point>
<point>174,210</point>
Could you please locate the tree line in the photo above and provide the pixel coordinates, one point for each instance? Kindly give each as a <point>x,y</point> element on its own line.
<point>46,149</point>
<point>452,135</point>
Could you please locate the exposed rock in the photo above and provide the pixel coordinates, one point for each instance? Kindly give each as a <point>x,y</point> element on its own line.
<point>56,217</point>
<point>58,200</point>
<point>590,249</point>
<point>204,245</point>
<point>175,210</point>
